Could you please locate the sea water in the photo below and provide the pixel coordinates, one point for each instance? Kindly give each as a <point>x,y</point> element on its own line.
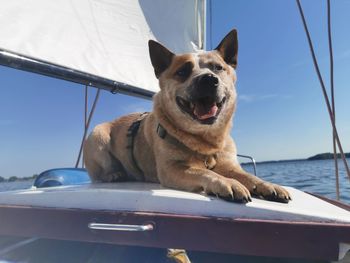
<point>312,176</point>
<point>7,186</point>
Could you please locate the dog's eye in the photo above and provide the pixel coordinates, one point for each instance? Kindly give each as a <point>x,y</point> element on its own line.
<point>218,67</point>
<point>185,71</point>
<point>181,72</point>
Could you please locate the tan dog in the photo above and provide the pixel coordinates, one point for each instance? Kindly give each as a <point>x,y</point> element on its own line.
<point>185,142</point>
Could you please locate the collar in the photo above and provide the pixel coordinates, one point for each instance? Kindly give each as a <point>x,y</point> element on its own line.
<point>208,160</point>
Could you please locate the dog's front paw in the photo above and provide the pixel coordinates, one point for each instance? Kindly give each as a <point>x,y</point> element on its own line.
<point>271,192</point>
<point>229,190</point>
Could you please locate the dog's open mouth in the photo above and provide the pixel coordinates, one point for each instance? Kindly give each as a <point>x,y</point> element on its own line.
<point>205,110</point>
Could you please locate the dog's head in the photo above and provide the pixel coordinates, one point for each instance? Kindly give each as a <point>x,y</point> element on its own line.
<point>197,88</point>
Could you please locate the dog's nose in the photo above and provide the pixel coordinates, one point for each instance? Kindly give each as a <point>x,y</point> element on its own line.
<point>205,85</point>
<point>208,81</point>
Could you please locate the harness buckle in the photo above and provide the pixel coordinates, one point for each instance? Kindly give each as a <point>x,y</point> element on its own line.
<point>161,131</point>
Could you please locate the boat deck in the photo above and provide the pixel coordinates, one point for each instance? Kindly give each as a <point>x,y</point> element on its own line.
<point>307,227</point>
<point>146,197</point>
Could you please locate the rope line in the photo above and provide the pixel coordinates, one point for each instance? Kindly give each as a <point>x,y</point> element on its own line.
<point>85,118</point>
<point>210,25</point>
<point>87,126</point>
<point>86,107</point>
<point>331,69</point>
<point>325,95</point>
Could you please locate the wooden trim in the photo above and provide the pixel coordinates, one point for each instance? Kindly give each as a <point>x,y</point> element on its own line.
<point>235,236</point>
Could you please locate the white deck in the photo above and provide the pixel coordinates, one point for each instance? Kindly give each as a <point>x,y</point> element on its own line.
<point>143,197</point>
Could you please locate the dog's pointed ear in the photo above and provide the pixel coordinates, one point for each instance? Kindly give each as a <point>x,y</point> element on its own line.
<point>160,56</point>
<point>228,48</point>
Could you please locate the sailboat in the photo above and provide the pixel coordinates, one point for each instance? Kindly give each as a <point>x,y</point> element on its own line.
<point>66,218</point>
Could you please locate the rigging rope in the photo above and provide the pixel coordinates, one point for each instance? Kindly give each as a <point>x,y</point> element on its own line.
<point>331,65</point>
<point>86,106</point>
<point>87,124</point>
<point>330,112</point>
<point>210,26</point>
<point>85,118</point>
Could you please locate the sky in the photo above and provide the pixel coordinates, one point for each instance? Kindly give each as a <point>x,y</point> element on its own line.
<point>281,113</point>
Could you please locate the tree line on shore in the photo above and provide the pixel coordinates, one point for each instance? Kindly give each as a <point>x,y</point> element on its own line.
<point>15,178</point>
<point>320,156</point>
<point>325,156</point>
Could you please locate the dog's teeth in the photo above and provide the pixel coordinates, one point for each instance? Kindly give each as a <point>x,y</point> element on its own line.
<point>191,105</point>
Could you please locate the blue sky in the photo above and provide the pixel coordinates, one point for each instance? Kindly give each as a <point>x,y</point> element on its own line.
<point>281,112</point>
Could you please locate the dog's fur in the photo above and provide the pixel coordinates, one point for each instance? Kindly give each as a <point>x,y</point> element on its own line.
<point>195,106</point>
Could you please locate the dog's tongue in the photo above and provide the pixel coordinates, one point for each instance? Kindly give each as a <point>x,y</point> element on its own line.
<point>203,111</point>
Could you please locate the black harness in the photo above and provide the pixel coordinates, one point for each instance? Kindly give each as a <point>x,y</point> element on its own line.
<point>163,134</point>
<point>132,131</point>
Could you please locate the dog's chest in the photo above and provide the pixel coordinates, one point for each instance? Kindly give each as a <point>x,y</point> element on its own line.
<point>210,162</point>
<point>203,161</point>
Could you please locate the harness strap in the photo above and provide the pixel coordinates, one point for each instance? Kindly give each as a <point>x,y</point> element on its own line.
<point>162,133</point>
<point>208,160</point>
<point>132,131</point>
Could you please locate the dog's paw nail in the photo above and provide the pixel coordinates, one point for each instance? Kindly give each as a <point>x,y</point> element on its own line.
<point>243,200</point>
<point>229,198</point>
<point>247,199</point>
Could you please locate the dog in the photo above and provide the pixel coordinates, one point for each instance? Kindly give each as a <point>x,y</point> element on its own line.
<point>185,142</point>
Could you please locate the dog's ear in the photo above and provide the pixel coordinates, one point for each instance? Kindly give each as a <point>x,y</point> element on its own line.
<point>160,57</point>
<point>228,48</point>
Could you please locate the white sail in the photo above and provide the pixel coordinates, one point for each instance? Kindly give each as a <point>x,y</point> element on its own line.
<point>106,38</point>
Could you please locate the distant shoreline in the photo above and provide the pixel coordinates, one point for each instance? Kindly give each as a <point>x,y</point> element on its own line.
<point>326,156</point>
<point>13,179</point>
<point>320,156</point>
